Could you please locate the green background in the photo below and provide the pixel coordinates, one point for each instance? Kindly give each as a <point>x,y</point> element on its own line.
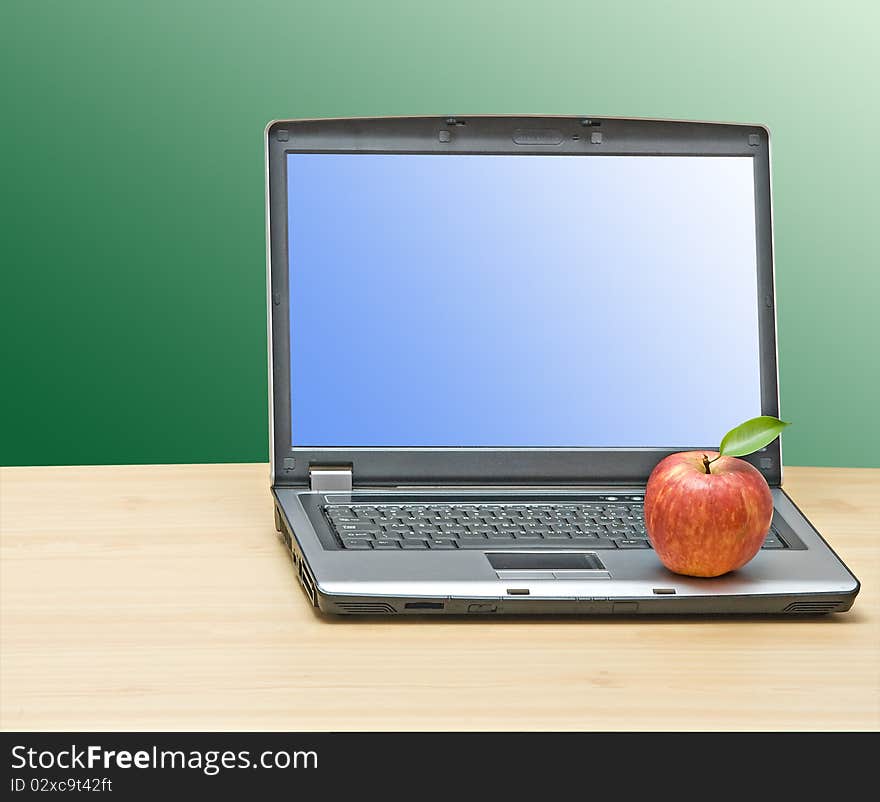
<point>132,205</point>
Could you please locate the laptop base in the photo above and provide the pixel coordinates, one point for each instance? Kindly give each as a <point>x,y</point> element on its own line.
<point>586,590</point>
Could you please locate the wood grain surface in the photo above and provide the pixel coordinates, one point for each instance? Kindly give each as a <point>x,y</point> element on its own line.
<point>159,598</point>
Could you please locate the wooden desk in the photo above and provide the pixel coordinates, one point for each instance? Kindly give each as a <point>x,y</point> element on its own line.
<point>159,598</point>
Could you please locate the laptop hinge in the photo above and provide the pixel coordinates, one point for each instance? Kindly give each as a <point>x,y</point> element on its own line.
<point>330,477</point>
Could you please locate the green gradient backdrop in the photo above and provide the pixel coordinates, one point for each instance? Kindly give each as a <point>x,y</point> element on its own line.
<point>133,316</point>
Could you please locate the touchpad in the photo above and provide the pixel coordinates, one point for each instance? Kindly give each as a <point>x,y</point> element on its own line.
<point>544,561</point>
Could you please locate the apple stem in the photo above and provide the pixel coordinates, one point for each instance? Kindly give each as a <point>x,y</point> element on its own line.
<point>706,463</point>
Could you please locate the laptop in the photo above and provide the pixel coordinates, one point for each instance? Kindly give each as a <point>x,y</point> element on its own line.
<point>486,331</point>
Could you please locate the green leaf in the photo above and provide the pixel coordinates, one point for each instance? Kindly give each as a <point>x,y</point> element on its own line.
<point>750,436</point>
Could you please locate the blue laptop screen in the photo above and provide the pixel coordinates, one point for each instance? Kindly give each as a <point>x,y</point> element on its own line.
<point>520,300</point>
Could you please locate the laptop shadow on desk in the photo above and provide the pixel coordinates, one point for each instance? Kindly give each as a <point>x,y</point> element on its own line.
<point>851,617</point>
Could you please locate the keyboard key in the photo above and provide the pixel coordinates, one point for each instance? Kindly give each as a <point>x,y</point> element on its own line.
<point>386,544</point>
<point>359,527</point>
<point>633,544</point>
<point>356,544</point>
<point>476,544</point>
<point>409,545</point>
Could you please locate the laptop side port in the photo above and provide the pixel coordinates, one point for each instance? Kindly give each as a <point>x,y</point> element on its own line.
<point>305,579</point>
<point>281,527</point>
<point>423,606</point>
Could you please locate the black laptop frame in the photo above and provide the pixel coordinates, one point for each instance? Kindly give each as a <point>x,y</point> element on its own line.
<point>500,135</point>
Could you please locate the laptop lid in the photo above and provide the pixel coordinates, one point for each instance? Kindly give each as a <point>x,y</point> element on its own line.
<point>515,300</point>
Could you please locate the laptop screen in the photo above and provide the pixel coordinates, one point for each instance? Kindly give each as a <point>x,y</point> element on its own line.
<point>520,300</point>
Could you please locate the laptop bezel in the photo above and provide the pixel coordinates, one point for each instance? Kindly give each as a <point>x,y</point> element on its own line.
<point>544,135</point>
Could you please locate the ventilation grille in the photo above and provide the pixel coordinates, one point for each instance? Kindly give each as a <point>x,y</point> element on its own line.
<point>814,607</point>
<point>366,608</point>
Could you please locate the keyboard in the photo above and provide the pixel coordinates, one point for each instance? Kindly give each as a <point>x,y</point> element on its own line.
<point>603,523</point>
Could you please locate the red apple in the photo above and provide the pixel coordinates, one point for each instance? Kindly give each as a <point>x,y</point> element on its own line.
<point>706,524</point>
